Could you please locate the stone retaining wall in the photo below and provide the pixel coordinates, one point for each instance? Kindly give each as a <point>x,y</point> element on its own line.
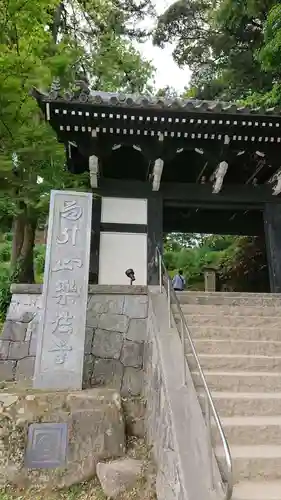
<point>115,335</point>
<point>174,421</point>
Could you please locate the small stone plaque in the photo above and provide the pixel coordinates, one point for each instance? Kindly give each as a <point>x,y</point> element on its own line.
<point>46,446</point>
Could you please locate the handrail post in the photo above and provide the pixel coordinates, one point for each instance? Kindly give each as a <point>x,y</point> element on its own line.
<point>209,439</point>
<point>160,271</point>
<point>183,352</point>
<point>169,303</point>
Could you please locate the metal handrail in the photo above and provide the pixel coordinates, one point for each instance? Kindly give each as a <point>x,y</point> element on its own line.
<point>210,406</point>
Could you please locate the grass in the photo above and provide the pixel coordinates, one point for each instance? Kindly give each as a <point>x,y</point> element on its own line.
<point>84,491</point>
<point>143,490</point>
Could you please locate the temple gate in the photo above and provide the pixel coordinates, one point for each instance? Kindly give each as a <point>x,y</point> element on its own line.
<point>158,165</point>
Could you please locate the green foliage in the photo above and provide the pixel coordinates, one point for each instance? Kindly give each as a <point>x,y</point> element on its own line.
<point>5,295</point>
<point>5,251</point>
<point>270,53</point>
<point>219,40</point>
<point>240,262</point>
<point>5,272</point>
<point>39,259</point>
<point>245,266</point>
<point>194,252</point>
<point>39,41</point>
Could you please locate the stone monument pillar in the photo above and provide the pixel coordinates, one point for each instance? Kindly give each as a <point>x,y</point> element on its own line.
<point>61,334</point>
<point>210,279</point>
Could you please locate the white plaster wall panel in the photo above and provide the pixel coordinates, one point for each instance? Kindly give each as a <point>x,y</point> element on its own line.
<point>124,211</point>
<point>119,252</point>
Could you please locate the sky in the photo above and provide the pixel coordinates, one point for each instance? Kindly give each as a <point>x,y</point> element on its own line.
<point>167,71</point>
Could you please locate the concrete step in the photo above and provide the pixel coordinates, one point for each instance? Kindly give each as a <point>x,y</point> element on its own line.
<point>250,430</point>
<point>257,490</point>
<point>220,332</point>
<point>226,310</point>
<point>254,463</point>
<point>246,347</point>
<point>233,362</point>
<point>232,321</point>
<point>240,381</point>
<point>237,404</point>
<point>232,298</point>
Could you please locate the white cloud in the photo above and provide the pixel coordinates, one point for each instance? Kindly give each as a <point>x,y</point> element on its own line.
<point>167,71</point>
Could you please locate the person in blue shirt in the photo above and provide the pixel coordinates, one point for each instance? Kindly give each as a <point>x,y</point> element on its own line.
<point>178,282</point>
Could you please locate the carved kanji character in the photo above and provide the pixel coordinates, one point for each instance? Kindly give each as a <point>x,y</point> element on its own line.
<point>66,290</point>
<point>63,323</point>
<point>71,210</point>
<point>66,235</point>
<point>67,264</point>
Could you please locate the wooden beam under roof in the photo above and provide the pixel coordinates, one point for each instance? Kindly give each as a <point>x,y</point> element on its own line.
<point>213,222</point>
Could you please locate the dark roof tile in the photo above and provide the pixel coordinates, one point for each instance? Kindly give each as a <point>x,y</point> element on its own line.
<point>147,101</point>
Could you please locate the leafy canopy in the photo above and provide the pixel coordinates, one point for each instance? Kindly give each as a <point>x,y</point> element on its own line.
<point>219,40</point>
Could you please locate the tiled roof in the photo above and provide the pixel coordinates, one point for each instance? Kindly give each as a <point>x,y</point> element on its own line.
<point>83,95</point>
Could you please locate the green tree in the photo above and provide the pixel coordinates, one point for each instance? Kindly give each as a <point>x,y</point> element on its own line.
<point>40,40</point>
<point>219,40</point>
<point>176,241</point>
<point>270,59</point>
<point>27,57</point>
<point>234,50</point>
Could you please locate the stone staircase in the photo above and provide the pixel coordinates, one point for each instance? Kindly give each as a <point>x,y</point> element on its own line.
<point>238,339</point>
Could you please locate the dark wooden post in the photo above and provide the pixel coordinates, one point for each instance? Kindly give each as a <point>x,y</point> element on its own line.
<point>272,228</point>
<point>95,241</point>
<point>154,235</point>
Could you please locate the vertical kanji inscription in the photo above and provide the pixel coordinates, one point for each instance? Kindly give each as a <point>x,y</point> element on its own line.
<point>60,352</point>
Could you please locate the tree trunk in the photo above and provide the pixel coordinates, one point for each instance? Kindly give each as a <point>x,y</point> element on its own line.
<point>18,237</point>
<point>26,264</point>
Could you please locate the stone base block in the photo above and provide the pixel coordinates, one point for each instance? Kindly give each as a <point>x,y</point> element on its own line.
<point>58,456</point>
<point>116,332</point>
<point>134,410</point>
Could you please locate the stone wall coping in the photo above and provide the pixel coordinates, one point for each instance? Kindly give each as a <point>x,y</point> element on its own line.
<point>19,288</point>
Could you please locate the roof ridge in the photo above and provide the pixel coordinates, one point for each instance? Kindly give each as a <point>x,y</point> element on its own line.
<point>83,94</point>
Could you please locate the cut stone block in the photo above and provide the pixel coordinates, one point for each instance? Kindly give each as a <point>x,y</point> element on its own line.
<point>108,372</point>
<point>118,476</point>
<point>14,331</point>
<point>113,322</point>
<point>18,350</point>
<point>99,304</point>
<point>135,307</point>
<point>4,349</point>
<point>132,382</point>
<point>137,330</point>
<point>32,345</point>
<point>95,432</point>
<point>7,370</point>
<point>134,410</point>
<point>88,369</point>
<point>103,427</point>
<point>107,344</point>
<point>89,340</point>
<point>19,315</point>
<point>32,328</point>
<point>25,369</point>
<point>132,354</point>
